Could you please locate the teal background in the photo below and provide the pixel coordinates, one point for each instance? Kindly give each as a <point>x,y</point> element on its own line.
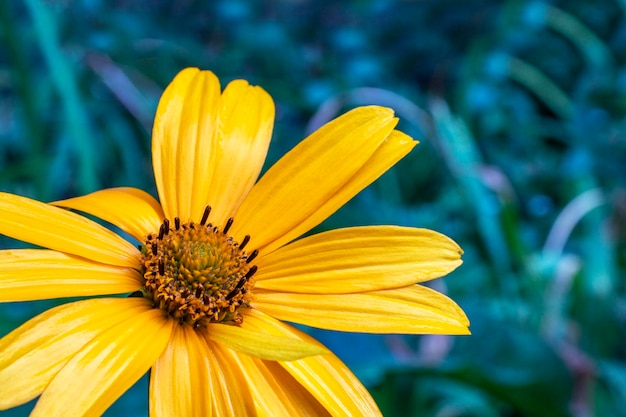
<point>519,107</point>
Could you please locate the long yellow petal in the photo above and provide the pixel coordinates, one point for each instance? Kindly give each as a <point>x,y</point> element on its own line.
<point>38,274</point>
<point>228,388</point>
<point>165,136</point>
<point>132,210</point>
<point>209,149</point>
<point>34,352</point>
<point>414,309</point>
<point>185,128</point>
<point>324,376</point>
<point>395,147</point>
<point>106,367</point>
<point>261,344</point>
<point>302,181</point>
<point>246,122</point>
<point>358,259</point>
<point>180,377</point>
<point>54,228</point>
<point>276,393</point>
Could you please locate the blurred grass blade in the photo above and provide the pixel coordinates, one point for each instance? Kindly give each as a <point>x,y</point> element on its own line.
<point>534,80</point>
<point>564,224</point>
<point>21,76</point>
<point>65,82</point>
<point>593,49</point>
<point>464,161</point>
<point>599,271</point>
<point>123,88</point>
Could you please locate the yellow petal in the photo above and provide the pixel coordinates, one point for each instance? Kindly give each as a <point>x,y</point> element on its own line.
<point>275,391</point>
<point>54,228</point>
<point>228,389</point>
<point>209,149</point>
<point>106,367</point>
<point>309,175</point>
<point>395,147</point>
<point>132,210</point>
<point>34,352</point>
<point>180,377</point>
<point>185,128</point>
<point>410,310</point>
<point>324,376</point>
<point>261,344</point>
<point>38,274</point>
<point>246,122</point>
<point>358,259</point>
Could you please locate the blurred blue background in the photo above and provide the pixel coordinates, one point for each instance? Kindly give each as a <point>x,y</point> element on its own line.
<point>520,109</point>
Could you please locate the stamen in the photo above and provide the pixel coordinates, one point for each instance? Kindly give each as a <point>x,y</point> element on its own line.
<point>205,215</point>
<point>161,267</point>
<point>161,232</point>
<point>244,242</point>
<point>250,272</point>
<point>177,223</point>
<point>154,249</point>
<point>241,283</point>
<point>229,223</point>
<point>235,290</point>
<point>251,257</point>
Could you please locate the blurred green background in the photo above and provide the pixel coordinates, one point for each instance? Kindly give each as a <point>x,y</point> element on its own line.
<point>520,109</point>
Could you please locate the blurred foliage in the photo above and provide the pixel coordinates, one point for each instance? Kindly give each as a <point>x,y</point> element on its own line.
<point>519,107</point>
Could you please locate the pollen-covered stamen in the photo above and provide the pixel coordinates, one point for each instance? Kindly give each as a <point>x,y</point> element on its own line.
<point>205,215</point>
<point>164,229</point>
<point>197,273</point>
<point>229,223</point>
<point>241,283</point>
<point>252,255</point>
<point>244,241</point>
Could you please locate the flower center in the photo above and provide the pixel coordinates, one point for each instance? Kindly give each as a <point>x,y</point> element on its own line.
<point>196,272</point>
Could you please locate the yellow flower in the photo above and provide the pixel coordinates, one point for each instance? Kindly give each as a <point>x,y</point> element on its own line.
<point>209,293</point>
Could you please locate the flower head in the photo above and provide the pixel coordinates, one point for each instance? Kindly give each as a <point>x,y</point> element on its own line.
<point>218,269</point>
